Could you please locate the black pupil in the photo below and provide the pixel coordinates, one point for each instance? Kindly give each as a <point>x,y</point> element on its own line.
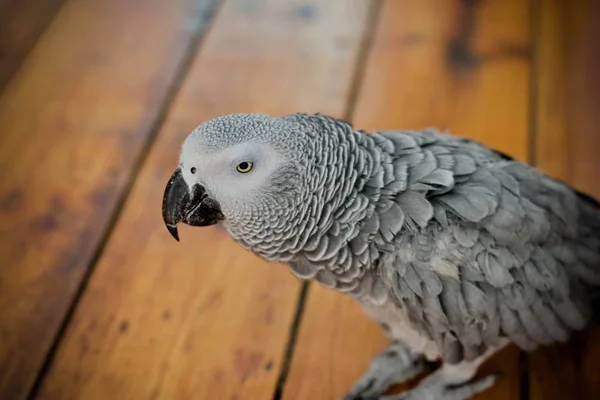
<point>193,170</point>
<point>244,165</point>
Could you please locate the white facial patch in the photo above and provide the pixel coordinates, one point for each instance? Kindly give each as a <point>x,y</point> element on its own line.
<point>217,170</point>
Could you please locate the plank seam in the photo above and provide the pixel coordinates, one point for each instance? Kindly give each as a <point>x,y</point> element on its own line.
<point>535,35</point>
<point>535,32</point>
<point>358,77</point>
<point>206,15</point>
<point>363,56</point>
<point>39,31</point>
<point>293,335</point>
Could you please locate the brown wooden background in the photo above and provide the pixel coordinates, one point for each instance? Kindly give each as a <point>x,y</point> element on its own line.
<point>97,301</point>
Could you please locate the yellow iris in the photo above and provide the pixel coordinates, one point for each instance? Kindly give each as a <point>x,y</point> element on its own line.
<point>244,167</point>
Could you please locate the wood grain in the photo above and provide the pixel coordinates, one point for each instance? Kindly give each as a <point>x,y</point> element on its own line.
<point>203,318</point>
<point>21,24</point>
<point>568,139</point>
<point>73,122</point>
<point>462,66</point>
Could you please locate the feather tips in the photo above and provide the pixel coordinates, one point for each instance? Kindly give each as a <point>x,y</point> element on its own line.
<point>495,224</point>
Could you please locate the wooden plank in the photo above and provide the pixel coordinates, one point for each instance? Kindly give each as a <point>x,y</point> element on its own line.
<point>568,92</point>
<point>568,139</point>
<point>21,24</point>
<point>203,318</point>
<point>74,121</point>
<point>461,66</point>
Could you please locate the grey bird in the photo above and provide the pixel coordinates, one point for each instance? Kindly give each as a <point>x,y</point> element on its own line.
<point>455,249</point>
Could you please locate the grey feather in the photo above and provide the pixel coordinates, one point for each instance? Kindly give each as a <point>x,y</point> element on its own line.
<point>425,167</point>
<point>452,349</point>
<point>400,140</point>
<point>512,325</point>
<point>417,209</point>
<point>475,299</point>
<point>463,165</point>
<point>466,235</point>
<point>413,280</point>
<point>519,294</point>
<point>439,214</point>
<point>538,276</point>
<point>472,203</point>
<point>430,281</point>
<point>440,180</point>
<point>550,321</point>
<point>326,278</point>
<point>435,313</point>
<point>533,326</point>
<point>404,291</point>
<point>391,222</point>
<point>303,269</point>
<point>573,315</point>
<point>470,245</point>
<point>320,250</point>
<point>495,271</point>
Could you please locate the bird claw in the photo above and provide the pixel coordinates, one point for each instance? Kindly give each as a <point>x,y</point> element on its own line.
<point>438,389</point>
<point>396,364</point>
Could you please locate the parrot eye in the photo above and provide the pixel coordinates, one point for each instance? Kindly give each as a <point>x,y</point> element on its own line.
<point>193,170</point>
<point>244,167</point>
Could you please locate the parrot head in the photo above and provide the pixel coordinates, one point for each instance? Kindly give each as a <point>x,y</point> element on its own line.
<point>247,170</point>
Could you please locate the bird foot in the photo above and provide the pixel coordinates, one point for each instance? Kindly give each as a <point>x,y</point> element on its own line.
<point>396,364</point>
<point>439,389</point>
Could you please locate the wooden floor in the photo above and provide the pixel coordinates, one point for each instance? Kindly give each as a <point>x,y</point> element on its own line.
<point>97,301</point>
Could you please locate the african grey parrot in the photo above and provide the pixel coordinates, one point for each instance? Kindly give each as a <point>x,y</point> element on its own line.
<point>455,249</point>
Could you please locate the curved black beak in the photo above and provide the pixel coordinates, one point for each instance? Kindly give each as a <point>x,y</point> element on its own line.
<point>194,208</point>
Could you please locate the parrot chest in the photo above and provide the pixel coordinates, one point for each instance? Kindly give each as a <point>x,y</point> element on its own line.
<point>397,324</point>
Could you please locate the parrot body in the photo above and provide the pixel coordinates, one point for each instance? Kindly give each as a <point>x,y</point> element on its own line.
<point>453,248</point>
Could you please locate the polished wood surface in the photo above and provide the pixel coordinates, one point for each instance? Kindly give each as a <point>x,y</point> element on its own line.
<point>97,301</point>
<point>21,24</point>
<point>74,122</point>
